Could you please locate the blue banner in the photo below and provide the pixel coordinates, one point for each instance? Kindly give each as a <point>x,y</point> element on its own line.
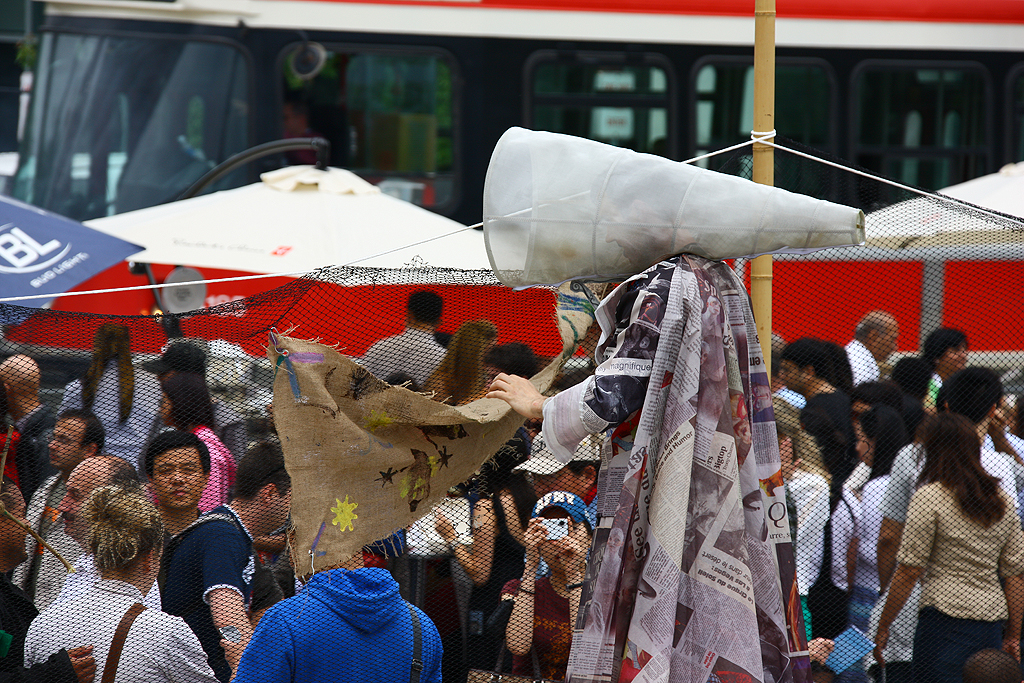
<point>42,253</point>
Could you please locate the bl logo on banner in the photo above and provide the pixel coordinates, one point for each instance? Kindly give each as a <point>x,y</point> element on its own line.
<point>19,253</point>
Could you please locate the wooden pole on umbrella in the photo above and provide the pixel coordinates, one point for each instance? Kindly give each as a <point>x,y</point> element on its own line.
<point>764,161</point>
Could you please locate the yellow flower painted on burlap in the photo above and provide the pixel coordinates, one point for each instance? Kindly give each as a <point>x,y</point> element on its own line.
<point>376,420</point>
<point>344,514</point>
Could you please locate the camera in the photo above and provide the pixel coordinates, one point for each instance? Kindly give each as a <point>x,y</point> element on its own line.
<point>557,528</point>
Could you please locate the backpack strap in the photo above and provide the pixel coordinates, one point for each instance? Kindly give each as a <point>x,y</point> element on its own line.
<point>117,644</point>
<point>417,646</point>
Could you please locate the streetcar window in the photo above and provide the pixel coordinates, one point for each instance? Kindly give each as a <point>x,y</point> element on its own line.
<point>601,98</point>
<point>924,126</point>
<point>388,116</point>
<point>724,105</point>
<point>10,73</point>
<point>120,123</point>
<point>1017,113</point>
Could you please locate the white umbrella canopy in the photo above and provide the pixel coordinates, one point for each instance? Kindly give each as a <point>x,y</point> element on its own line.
<point>297,219</point>
<point>1002,191</point>
<point>936,222</point>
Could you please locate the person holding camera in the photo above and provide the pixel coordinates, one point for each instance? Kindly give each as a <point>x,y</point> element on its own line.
<point>544,610</point>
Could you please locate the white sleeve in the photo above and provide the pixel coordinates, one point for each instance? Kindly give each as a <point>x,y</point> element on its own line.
<point>152,598</point>
<point>810,495</point>
<point>34,643</point>
<point>72,399</point>
<point>183,660</point>
<point>843,532</point>
<point>563,425</point>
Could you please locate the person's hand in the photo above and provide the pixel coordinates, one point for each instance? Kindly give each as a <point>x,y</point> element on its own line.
<point>572,550</point>
<point>232,653</point>
<point>1011,646</point>
<point>519,393</point>
<point>444,527</point>
<point>997,427</point>
<point>535,534</point>
<point>820,648</point>
<point>83,663</point>
<point>881,640</point>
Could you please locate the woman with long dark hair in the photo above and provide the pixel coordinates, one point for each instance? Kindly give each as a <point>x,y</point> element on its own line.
<point>961,536</point>
<point>880,435</point>
<point>123,400</point>
<point>186,405</point>
<point>494,557</point>
<point>820,372</point>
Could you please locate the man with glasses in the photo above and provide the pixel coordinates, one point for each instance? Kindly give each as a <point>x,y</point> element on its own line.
<point>77,435</point>
<point>214,578</point>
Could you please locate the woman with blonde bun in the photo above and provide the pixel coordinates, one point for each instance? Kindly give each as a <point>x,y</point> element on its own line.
<point>126,538</point>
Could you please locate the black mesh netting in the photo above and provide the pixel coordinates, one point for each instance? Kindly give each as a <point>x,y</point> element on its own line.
<point>143,451</point>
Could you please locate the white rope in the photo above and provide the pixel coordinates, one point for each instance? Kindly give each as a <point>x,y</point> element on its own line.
<point>239,278</point>
<point>763,137</point>
<point>754,138</point>
<point>893,183</point>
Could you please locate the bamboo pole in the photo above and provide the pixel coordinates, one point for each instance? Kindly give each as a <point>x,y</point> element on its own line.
<point>764,161</point>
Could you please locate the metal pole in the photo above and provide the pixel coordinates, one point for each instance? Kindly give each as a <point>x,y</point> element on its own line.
<point>323,155</point>
<point>764,161</point>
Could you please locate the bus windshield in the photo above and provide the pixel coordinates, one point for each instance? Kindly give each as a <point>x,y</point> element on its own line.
<point>124,123</point>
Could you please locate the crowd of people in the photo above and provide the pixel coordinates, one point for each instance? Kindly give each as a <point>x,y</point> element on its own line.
<point>174,523</point>
<point>905,484</point>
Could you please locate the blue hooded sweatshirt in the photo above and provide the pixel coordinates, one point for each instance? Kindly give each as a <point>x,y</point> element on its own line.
<point>343,626</point>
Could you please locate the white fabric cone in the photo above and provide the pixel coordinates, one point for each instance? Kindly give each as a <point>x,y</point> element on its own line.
<point>558,208</point>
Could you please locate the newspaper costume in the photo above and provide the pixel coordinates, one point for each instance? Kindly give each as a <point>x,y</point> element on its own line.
<point>691,575</point>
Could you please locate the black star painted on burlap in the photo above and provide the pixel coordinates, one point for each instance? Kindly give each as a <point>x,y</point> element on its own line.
<point>386,477</point>
<point>444,455</point>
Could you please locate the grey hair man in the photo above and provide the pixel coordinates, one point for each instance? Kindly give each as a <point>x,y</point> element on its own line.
<point>874,340</point>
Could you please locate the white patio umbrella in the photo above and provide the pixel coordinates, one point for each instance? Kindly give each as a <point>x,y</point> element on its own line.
<point>925,222</point>
<point>1002,191</point>
<point>297,219</point>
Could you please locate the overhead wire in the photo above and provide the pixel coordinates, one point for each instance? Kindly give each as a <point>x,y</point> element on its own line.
<point>763,137</point>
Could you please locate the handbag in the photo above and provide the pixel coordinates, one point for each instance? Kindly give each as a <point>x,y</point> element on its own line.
<point>117,644</point>
<point>828,603</point>
<point>496,623</point>
<point>485,676</point>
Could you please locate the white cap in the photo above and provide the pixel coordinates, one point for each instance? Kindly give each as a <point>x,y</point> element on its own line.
<point>543,462</point>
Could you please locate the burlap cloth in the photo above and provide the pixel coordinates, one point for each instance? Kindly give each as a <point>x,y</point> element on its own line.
<point>367,458</point>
